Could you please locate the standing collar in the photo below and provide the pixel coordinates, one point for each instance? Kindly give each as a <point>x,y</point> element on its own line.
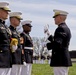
<point>26,32</point>
<point>62,24</point>
<point>12,27</point>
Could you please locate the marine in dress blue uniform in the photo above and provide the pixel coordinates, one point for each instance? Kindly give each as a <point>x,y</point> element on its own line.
<point>5,35</point>
<point>15,18</point>
<point>27,46</point>
<point>59,43</point>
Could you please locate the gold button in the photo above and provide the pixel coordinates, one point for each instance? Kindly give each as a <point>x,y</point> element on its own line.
<point>1,51</point>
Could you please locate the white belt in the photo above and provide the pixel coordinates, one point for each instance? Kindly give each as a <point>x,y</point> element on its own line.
<point>28,48</point>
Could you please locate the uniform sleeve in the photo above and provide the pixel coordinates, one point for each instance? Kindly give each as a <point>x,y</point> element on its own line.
<point>49,46</point>
<point>22,40</point>
<point>59,37</point>
<point>57,40</point>
<point>50,38</point>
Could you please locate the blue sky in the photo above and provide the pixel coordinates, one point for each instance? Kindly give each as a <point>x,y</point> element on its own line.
<point>41,12</point>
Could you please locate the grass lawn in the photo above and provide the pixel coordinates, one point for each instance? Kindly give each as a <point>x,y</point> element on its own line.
<point>45,69</point>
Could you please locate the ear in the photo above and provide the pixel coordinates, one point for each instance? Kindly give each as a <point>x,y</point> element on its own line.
<point>61,17</point>
<point>1,11</point>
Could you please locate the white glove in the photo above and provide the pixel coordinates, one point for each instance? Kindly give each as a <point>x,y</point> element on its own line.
<point>48,33</point>
<point>24,63</point>
<point>14,48</point>
<point>50,53</point>
<point>46,30</point>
